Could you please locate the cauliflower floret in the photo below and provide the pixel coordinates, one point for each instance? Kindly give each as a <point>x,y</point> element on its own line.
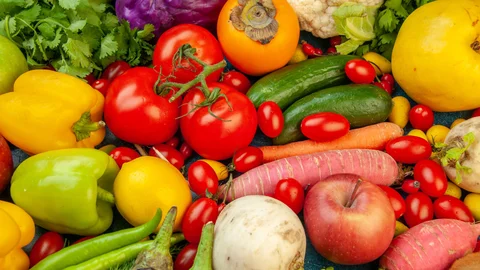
<point>315,16</point>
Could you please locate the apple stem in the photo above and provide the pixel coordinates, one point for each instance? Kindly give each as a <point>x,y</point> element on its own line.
<point>350,201</point>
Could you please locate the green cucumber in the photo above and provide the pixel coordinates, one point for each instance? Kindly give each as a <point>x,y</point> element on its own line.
<point>292,82</point>
<point>361,104</point>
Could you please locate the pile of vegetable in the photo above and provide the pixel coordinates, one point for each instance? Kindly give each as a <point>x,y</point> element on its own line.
<point>215,134</point>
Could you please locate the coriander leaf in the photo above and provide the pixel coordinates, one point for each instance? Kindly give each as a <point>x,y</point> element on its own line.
<point>52,44</point>
<point>108,46</point>
<point>74,71</point>
<point>422,2</point>
<point>147,32</point>
<point>46,30</point>
<point>362,50</point>
<point>78,51</point>
<point>11,27</point>
<point>110,21</point>
<point>69,4</point>
<point>77,25</point>
<point>396,5</point>
<point>39,41</point>
<point>92,36</point>
<point>387,38</point>
<point>89,14</point>
<point>387,20</point>
<point>29,15</point>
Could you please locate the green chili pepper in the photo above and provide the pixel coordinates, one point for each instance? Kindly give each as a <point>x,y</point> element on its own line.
<point>203,259</point>
<point>97,246</point>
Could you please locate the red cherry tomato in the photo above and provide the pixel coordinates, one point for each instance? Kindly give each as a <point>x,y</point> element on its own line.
<point>290,192</point>
<point>385,86</point>
<point>308,49</point>
<point>186,257</point>
<point>171,154</point>
<point>202,177</point>
<point>410,186</point>
<point>421,117</point>
<point>396,200</point>
<point>83,239</point>
<point>270,119</point>
<point>476,112</point>
<point>185,150</point>
<point>198,214</point>
<point>334,41</point>
<point>387,77</point>
<point>408,149</point>
<point>247,158</point>
<point>431,176</point>
<point>324,126</point>
<point>101,85</point>
<point>47,244</point>
<point>237,80</point>
<point>318,52</point>
<point>419,208</point>
<point>221,206</point>
<point>331,50</point>
<point>173,142</point>
<point>360,71</point>
<point>90,78</point>
<point>123,155</point>
<point>447,206</point>
<point>114,70</point>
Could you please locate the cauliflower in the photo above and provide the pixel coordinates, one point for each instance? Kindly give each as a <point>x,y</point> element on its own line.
<point>315,16</point>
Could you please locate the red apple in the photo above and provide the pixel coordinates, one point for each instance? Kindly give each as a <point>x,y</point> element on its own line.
<point>6,164</point>
<point>349,221</point>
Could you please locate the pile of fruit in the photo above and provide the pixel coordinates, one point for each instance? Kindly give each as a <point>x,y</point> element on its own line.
<point>222,135</point>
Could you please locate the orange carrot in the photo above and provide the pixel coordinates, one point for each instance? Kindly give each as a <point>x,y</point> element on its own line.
<point>369,137</point>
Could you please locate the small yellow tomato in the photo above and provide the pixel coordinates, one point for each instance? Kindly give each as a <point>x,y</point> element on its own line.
<point>380,63</point>
<point>9,233</point>
<point>298,56</point>
<point>472,201</point>
<point>17,259</point>
<point>418,133</point>
<point>220,169</point>
<point>147,183</point>
<point>399,114</point>
<point>453,190</point>
<point>437,134</point>
<point>400,228</point>
<point>24,222</point>
<point>456,122</point>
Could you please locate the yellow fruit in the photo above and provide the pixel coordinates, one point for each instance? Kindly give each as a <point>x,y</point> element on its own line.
<point>220,169</point>
<point>400,228</point>
<point>453,190</point>
<point>399,114</point>
<point>12,64</point>
<point>17,259</point>
<point>456,122</point>
<point>380,63</point>
<point>425,57</point>
<point>472,201</point>
<point>437,134</point>
<point>10,233</point>
<point>24,221</point>
<point>418,133</point>
<point>298,56</point>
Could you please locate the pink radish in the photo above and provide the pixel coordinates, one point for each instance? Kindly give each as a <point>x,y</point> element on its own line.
<point>372,165</point>
<point>432,245</point>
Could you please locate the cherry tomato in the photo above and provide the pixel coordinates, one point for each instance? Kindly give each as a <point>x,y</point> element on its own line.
<point>385,86</point>
<point>419,208</point>
<point>90,78</point>
<point>173,142</point>
<point>408,149</point>
<point>186,257</point>
<point>47,244</point>
<point>421,117</point>
<point>270,119</point>
<point>410,186</point>
<point>308,49</point>
<point>202,177</point>
<point>123,155</point>
<point>387,77</point>
<point>324,126</point>
<point>198,214</point>
<point>83,239</point>
<point>447,206</point>
<point>221,206</point>
<point>476,112</point>
<point>290,192</point>
<point>114,70</point>
<point>185,150</point>
<point>396,200</point>
<point>237,80</point>
<point>360,71</point>
<point>247,158</point>
<point>101,85</point>
<point>318,52</point>
<point>331,50</point>
<point>334,41</point>
<point>431,176</point>
<point>171,154</point>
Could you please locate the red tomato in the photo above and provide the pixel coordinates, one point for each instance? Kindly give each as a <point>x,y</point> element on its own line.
<point>101,85</point>
<point>410,186</point>
<point>447,206</point>
<point>331,50</point>
<point>387,77</point>
<point>247,158</point>
<point>476,112</point>
<point>171,154</point>
<point>324,126</point>
<point>421,117</point>
<point>47,244</point>
<point>83,239</point>
<point>205,44</point>
<point>135,113</point>
<point>419,208</point>
<point>270,119</point>
<point>123,155</point>
<point>408,149</point>
<point>173,142</point>
<point>360,71</point>
<point>396,200</point>
<point>186,257</point>
<point>290,192</point>
<point>114,70</point>
<point>202,177</point>
<point>198,214</point>
<point>90,78</point>
<point>385,86</point>
<point>334,41</point>
<point>229,129</point>
<point>431,176</point>
<point>186,150</point>
<point>237,80</point>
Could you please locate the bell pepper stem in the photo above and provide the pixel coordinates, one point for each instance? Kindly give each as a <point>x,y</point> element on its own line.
<point>105,196</point>
<point>85,125</point>
<point>203,259</point>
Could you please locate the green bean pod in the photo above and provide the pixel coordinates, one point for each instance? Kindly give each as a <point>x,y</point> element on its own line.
<point>203,259</point>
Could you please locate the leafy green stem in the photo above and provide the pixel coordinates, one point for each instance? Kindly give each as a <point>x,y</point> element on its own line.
<point>454,154</point>
<point>7,31</point>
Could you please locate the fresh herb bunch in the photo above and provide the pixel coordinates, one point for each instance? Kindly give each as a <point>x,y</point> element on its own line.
<point>74,36</point>
<point>390,18</point>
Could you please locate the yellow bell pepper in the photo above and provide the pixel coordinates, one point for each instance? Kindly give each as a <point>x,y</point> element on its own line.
<point>49,110</point>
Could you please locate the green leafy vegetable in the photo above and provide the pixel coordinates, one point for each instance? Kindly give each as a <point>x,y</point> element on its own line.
<point>454,156</point>
<point>74,36</point>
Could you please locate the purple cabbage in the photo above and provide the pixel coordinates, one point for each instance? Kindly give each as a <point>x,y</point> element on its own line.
<point>164,14</point>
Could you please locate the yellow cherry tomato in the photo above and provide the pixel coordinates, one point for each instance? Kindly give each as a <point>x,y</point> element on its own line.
<point>298,56</point>
<point>399,114</point>
<point>380,63</point>
<point>418,133</point>
<point>17,259</point>
<point>147,183</point>
<point>400,228</point>
<point>453,190</point>
<point>472,201</point>
<point>9,233</point>
<point>456,122</point>
<point>437,134</point>
<point>220,169</point>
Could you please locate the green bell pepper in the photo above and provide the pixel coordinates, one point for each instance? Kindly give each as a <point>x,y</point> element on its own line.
<point>67,191</point>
